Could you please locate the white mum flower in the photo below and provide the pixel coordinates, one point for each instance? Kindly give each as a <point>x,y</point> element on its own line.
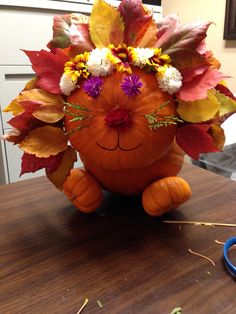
<point>98,64</point>
<point>67,85</point>
<point>170,81</point>
<point>141,56</point>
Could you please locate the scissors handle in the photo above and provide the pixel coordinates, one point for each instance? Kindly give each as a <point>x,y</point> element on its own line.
<point>231,267</point>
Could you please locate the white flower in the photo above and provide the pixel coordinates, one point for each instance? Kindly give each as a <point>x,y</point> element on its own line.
<point>67,85</point>
<point>170,81</point>
<point>141,56</point>
<point>98,64</point>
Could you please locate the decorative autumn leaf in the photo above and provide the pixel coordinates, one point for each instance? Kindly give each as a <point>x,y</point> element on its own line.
<point>227,104</point>
<point>199,85</point>
<point>165,28</point>
<point>224,90</point>
<point>187,36</point>
<point>105,25</point>
<point>31,163</point>
<point>187,59</point>
<point>44,106</point>
<point>21,121</point>
<point>71,29</point>
<point>49,67</point>
<point>218,135</point>
<point>194,139</point>
<point>14,107</point>
<point>58,177</point>
<point>199,110</point>
<point>140,29</point>
<point>44,141</point>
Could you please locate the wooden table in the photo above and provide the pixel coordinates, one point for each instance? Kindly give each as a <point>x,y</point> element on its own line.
<point>53,257</point>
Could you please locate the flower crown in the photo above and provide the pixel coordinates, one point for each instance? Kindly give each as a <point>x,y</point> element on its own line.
<point>84,50</point>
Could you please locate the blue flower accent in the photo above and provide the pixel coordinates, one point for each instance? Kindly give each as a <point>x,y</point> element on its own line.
<point>93,86</point>
<point>131,85</point>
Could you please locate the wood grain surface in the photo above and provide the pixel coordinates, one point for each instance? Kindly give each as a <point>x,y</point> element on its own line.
<point>52,257</point>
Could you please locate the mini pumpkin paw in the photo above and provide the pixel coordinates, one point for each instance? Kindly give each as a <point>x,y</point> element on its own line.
<point>83,190</point>
<point>163,195</point>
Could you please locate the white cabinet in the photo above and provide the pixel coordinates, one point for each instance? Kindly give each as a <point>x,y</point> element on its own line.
<point>27,24</point>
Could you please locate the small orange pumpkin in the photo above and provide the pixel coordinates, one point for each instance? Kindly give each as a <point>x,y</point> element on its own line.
<point>164,194</point>
<point>83,191</point>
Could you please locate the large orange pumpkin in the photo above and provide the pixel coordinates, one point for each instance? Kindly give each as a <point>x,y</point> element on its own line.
<point>114,140</point>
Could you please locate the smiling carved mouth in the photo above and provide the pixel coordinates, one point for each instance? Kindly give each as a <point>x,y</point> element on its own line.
<point>118,146</point>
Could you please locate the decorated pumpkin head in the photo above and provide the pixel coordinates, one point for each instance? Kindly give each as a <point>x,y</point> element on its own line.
<point>127,94</point>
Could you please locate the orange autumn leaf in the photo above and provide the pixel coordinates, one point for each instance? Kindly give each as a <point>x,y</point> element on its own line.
<point>44,142</point>
<point>45,106</point>
<point>58,177</point>
<point>14,107</point>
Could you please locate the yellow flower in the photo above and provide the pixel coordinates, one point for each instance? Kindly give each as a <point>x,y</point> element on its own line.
<point>121,56</point>
<point>76,67</point>
<point>159,60</point>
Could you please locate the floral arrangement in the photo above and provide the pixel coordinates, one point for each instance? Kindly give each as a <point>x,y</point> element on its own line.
<point>85,52</point>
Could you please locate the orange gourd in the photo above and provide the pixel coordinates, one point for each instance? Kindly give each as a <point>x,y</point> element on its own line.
<point>114,139</point>
<point>165,194</point>
<point>82,190</point>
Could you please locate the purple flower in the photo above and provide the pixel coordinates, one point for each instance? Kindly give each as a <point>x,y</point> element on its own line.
<point>131,85</point>
<point>93,86</point>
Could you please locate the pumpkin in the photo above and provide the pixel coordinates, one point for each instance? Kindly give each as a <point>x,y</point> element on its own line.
<point>164,194</point>
<point>113,136</point>
<point>82,190</point>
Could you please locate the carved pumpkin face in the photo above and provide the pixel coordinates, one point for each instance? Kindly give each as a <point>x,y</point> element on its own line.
<point>114,133</point>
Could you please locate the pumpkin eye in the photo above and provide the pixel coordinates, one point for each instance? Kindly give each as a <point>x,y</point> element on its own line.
<point>118,119</point>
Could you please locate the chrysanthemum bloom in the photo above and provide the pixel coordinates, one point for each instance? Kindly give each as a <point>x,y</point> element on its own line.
<point>76,67</point>
<point>98,63</point>
<point>67,85</point>
<point>121,57</point>
<point>131,85</point>
<point>93,86</point>
<point>158,59</point>
<point>141,56</point>
<point>170,81</point>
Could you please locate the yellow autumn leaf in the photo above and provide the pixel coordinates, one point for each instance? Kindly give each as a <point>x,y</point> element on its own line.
<point>105,25</point>
<point>199,110</point>
<point>14,107</point>
<point>50,107</point>
<point>58,177</point>
<point>227,104</point>
<point>44,142</point>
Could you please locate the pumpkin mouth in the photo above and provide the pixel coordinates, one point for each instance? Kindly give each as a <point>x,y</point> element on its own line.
<point>118,146</point>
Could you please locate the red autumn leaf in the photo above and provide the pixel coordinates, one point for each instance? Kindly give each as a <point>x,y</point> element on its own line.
<point>194,139</point>
<point>187,59</point>
<point>199,85</point>
<point>188,36</point>
<point>49,68</point>
<point>21,121</point>
<point>137,22</point>
<point>224,90</point>
<point>31,163</point>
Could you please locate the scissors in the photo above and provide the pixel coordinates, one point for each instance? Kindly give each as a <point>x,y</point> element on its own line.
<point>230,266</point>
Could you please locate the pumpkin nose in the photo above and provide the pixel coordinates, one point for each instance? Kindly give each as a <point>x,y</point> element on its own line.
<point>118,119</point>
